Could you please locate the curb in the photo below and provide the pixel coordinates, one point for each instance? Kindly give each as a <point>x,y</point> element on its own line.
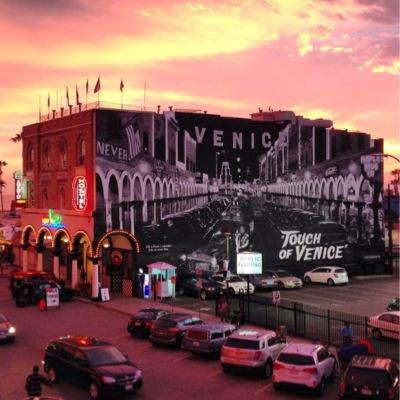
<point>101,305</point>
<point>365,277</point>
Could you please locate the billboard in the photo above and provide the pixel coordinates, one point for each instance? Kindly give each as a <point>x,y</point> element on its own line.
<point>196,189</point>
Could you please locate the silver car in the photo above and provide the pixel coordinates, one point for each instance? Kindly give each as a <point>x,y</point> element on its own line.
<point>286,280</point>
<point>7,330</point>
<point>264,281</point>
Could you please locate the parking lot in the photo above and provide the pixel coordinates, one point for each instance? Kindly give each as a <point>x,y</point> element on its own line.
<point>168,373</point>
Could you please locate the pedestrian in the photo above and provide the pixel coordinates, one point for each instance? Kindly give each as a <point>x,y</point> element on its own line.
<point>34,382</point>
<point>223,309</point>
<point>347,333</point>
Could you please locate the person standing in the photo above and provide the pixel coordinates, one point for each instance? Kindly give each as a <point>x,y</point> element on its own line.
<point>34,381</point>
<point>347,333</point>
<point>223,309</point>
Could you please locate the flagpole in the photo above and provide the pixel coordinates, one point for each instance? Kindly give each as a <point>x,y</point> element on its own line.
<point>56,99</point>
<point>144,96</point>
<point>40,107</point>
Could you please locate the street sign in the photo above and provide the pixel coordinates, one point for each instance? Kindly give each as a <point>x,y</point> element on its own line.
<point>276,296</point>
<point>105,294</point>
<point>52,297</point>
<point>173,279</point>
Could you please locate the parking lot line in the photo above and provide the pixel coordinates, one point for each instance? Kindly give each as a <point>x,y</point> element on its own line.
<point>263,389</point>
<point>119,336</point>
<point>214,374</point>
<point>181,358</point>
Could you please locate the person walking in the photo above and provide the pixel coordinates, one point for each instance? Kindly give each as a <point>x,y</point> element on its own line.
<point>347,333</point>
<point>34,381</point>
<point>223,309</point>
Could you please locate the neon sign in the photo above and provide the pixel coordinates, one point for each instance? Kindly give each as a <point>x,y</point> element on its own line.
<point>54,220</point>
<point>20,189</point>
<point>79,198</point>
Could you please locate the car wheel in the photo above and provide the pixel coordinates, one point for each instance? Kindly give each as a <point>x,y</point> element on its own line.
<point>94,392</point>
<point>321,387</point>
<point>52,375</point>
<point>277,386</point>
<point>307,280</point>
<point>281,286</point>
<point>330,282</point>
<point>203,295</point>
<point>226,369</point>
<point>376,333</point>
<point>268,369</point>
<point>155,344</point>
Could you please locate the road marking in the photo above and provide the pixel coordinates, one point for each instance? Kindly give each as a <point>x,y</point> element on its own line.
<point>119,336</point>
<point>263,389</point>
<point>214,373</point>
<point>181,358</point>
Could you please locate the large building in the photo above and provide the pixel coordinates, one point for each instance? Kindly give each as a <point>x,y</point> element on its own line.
<point>111,190</point>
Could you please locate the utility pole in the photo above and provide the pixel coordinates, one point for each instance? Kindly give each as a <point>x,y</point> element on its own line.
<point>389,195</point>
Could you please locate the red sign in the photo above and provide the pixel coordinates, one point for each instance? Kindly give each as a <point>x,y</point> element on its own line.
<point>79,198</point>
<point>173,279</point>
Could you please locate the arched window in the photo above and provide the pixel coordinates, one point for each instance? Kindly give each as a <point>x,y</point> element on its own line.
<point>45,199</point>
<point>63,154</point>
<point>46,155</point>
<point>81,152</point>
<point>30,157</point>
<point>61,202</point>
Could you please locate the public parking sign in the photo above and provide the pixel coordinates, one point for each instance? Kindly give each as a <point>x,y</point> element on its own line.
<point>276,296</point>
<point>52,297</point>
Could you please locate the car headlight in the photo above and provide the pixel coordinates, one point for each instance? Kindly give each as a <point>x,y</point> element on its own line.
<point>108,379</point>
<point>11,330</point>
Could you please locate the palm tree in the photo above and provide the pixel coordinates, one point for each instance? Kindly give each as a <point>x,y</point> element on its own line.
<point>16,138</point>
<point>2,184</point>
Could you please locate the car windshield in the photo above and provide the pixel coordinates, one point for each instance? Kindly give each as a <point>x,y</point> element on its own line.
<point>296,359</point>
<point>104,355</point>
<point>146,314</point>
<point>283,274</point>
<point>235,279</point>
<point>370,377</point>
<point>243,344</point>
<point>2,319</point>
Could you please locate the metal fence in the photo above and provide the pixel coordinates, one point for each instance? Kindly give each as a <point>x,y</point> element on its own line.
<point>313,323</point>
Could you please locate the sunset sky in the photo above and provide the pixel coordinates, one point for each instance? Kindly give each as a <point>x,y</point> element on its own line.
<point>336,59</point>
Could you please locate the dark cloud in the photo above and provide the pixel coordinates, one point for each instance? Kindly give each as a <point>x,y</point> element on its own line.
<point>381,11</point>
<point>43,7</point>
<point>390,48</point>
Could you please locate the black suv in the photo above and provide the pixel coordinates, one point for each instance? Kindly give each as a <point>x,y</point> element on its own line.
<point>370,377</point>
<point>171,329</point>
<point>187,285</point>
<point>141,323</point>
<point>93,364</point>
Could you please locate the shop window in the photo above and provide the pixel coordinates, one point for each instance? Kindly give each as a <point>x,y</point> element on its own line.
<point>81,152</point>
<point>63,154</point>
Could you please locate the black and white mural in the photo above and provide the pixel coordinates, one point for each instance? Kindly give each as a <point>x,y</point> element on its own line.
<point>198,188</point>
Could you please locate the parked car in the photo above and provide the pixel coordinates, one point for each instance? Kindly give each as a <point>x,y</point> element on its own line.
<point>170,329</point>
<point>264,281</point>
<point>207,338</point>
<point>189,285</point>
<point>254,349</point>
<point>234,284</point>
<point>285,279</point>
<point>394,305</point>
<point>329,275</point>
<point>7,330</point>
<point>141,323</point>
<point>304,364</point>
<point>385,325</point>
<point>44,398</point>
<point>370,377</point>
<point>93,364</point>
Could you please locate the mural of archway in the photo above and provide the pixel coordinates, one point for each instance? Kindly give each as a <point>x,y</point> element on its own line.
<point>149,201</point>
<point>99,213</point>
<point>113,202</point>
<point>125,202</point>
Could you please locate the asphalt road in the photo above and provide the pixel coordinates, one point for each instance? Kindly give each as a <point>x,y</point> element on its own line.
<point>168,373</point>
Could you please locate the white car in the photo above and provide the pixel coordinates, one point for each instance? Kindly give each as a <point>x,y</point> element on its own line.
<point>7,330</point>
<point>285,279</point>
<point>234,283</point>
<point>255,349</point>
<point>329,275</point>
<point>304,364</point>
<point>385,325</point>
